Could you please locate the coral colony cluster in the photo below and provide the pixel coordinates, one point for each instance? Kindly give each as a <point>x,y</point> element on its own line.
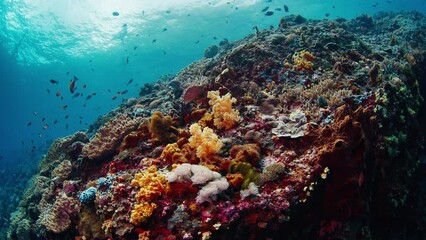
<point>306,131</point>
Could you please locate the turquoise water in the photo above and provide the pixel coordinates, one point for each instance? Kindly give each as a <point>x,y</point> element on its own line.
<point>43,40</point>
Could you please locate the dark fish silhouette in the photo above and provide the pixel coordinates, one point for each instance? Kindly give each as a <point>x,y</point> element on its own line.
<point>76,95</point>
<point>127,60</point>
<point>327,14</point>
<point>164,52</point>
<point>43,119</point>
<point>115,14</point>
<point>109,90</point>
<point>265,9</point>
<point>114,97</point>
<point>164,29</point>
<point>66,117</point>
<point>88,97</point>
<point>68,73</point>
<point>58,94</point>
<point>72,86</point>
<point>198,41</point>
<point>154,40</point>
<point>285,8</point>
<point>84,86</point>
<point>65,107</point>
<point>29,124</point>
<point>35,113</point>
<point>277,9</point>
<point>48,91</point>
<point>134,48</point>
<point>66,127</point>
<point>55,122</point>
<point>269,13</point>
<point>53,81</point>
<point>130,81</point>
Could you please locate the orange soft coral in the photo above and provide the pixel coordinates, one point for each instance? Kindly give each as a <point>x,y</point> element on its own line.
<point>205,141</point>
<point>162,129</point>
<point>246,153</point>
<point>141,212</point>
<point>153,185</point>
<point>223,114</point>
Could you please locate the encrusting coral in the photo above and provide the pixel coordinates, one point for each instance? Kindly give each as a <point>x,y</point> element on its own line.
<point>109,136</point>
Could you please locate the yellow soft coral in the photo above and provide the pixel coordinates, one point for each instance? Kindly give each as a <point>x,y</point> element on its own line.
<point>152,185</point>
<point>223,114</point>
<point>205,141</point>
<point>141,212</point>
<point>302,61</point>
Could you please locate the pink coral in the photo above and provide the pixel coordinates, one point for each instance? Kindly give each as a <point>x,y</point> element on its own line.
<point>110,136</point>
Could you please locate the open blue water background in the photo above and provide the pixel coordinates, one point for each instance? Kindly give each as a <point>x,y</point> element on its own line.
<point>42,40</point>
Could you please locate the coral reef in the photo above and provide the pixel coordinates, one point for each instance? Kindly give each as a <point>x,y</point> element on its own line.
<point>308,131</point>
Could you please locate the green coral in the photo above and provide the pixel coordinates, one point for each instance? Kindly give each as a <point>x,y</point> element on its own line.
<point>247,170</point>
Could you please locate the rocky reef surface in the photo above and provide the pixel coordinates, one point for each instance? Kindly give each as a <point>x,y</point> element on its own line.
<point>309,130</point>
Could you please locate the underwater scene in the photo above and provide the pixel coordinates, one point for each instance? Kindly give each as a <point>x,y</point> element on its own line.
<point>190,119</point>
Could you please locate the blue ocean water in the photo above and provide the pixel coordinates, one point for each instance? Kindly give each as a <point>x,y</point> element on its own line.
<point>105,44</point>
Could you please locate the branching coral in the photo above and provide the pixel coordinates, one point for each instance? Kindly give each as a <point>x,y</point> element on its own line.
<point>152,186</point>
<point>223,114</point>
<point>109,136</point>
<point>205,141</point>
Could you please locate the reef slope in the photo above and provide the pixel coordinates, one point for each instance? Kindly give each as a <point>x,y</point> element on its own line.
<point>309,130</point>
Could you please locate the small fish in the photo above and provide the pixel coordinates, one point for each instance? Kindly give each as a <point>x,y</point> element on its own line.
<point>68,73</point>
<point>198,41</point>
<point>48,91</point>
<point>29,124</point>
<point>164,52</point>
<point>80,122</point>
<point>43,119</point>
<point>114,97</point>
<point>45,126</point>
<point>269,13</point>
<point>115,14</point>
<point>327,14</point>
<point>55,122</point>
<point>53,81</point>
<point>66,127</point>
<point>72,86</point>
<point>375,5</point>
<point>64,107</point>
<point>109,90</point>
<point>76,95</point>
<point>285,8</point>
<point>153,40</point>
<point>134,48</point>
<point>33,148</point>
<point>88,97</point>
<point>62,98</point>
<point>93,94</point>
<point>35,113</point>
<point>164,29</point>
<point>127,60</point>
<point>22,142</point>
<point>84,86</point>
<point>265,9</point>
<point>129,82</point>
<point>277,9</point>
<point>90,60</point>
<point>66,117</point>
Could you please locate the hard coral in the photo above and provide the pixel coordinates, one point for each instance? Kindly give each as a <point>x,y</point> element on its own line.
<point>109,137</point>
<point>162,129</point>
<point>224,115</point>
<point>205,141</point>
